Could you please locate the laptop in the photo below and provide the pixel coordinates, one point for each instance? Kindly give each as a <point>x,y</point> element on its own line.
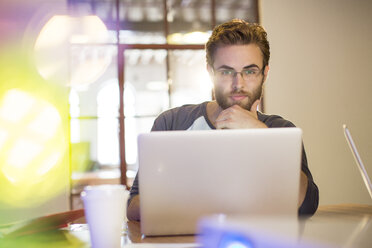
<point>185,175</point>
<point>358,160</point>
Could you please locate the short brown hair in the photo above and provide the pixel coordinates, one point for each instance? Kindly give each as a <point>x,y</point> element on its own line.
<point>238,32</point>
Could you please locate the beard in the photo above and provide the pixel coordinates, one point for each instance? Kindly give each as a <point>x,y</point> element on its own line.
<point>224,102</point>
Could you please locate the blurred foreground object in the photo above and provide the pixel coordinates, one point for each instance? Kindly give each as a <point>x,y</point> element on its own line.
<point>34,161</point>
<point>256,232</point>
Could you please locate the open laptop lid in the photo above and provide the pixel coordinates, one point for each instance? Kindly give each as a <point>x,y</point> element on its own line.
<point>358,160</point>
<point>184,175</point>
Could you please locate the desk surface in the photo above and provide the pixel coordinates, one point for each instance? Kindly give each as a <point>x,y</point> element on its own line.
<point>346,225</point>
<point>360,217</point>
<point>355,210</point>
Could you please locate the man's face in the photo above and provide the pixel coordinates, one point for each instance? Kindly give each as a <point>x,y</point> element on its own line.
<point>231,88</point>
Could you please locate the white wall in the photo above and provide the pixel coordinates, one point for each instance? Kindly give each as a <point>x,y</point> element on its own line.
<point>320,78</point>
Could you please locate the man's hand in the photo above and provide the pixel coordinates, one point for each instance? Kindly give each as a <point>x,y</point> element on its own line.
<point>236,117</point>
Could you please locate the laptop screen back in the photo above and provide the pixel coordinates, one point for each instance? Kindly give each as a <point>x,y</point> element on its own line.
<point>184,175</point>
<point>358,160</point>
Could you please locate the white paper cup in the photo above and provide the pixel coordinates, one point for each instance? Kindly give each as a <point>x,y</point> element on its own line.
<point>105,208</point>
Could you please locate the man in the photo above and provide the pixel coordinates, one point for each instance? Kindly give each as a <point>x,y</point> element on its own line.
<point>238,62</point>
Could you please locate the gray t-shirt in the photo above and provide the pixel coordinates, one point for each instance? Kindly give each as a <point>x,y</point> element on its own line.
<point>194,117</point>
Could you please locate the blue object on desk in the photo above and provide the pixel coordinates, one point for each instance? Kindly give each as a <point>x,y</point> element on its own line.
<point>235,240</point>
<point>214,236</point>
<point>253,232</point>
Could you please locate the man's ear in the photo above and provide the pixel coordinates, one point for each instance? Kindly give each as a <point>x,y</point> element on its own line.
<point>210,70</point>
<point>266,72</point>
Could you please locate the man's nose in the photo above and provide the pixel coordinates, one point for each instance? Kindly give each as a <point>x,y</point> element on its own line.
<point>238,82</point>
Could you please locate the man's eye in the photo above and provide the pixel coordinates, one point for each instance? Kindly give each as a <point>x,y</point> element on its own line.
<point>226,72</point>
<point>250,72</point>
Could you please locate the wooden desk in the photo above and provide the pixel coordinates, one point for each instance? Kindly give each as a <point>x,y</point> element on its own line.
<point>357,212</point>
<point>353,210</point>
<point>346,225</point>
<point>135,236</point>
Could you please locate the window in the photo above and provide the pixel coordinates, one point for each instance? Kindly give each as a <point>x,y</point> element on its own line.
<point>152,59</point>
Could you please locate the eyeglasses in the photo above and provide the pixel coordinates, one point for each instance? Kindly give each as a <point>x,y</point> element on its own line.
<point>248,74</point>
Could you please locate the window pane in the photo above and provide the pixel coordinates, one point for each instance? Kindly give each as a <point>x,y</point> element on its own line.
<point>94,73</point>
<point>190,79</point>
<point>146,88</point>
<point>108,99</point>
<point>133,127</point>
<point>108,142</point>
<point>141,21</point>
<point>227,10</point>
<point>104,10</point>
<point>97,145</point>
<point>84,147</point>
<point>189,21</point>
